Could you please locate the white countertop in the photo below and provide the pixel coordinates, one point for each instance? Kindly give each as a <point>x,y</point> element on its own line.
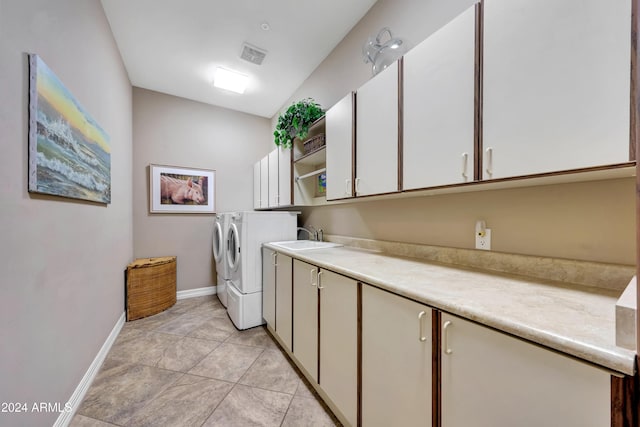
<point>576,320</point>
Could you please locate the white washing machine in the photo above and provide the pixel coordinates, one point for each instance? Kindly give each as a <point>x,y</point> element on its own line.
<point>220,231</point>
<point>247,232</point>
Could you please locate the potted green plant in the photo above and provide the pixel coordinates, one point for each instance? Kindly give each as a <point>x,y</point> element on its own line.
<point>295,122</point>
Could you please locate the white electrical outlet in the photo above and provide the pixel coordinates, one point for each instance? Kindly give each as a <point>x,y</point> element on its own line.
<point>484,242</point>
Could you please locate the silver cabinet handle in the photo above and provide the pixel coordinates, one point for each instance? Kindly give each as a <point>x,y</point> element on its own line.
<point>312,273</point>
<point>274,258</point>
<point>423,337</point>
<point>489,161</point>
<point>445,341</point>
<point>320,280</point>
<point>357,185</point>
<point>465,159</point>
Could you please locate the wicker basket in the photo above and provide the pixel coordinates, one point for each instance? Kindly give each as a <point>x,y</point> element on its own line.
<point>150,286</point>
<point>314,143</point>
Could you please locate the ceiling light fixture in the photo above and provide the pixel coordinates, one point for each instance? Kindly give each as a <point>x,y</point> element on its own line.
<point>265,26</point>
<point>230,80</point>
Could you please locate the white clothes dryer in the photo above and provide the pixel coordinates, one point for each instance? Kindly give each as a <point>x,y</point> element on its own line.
<point>247,232</point>
<point>220,244</point>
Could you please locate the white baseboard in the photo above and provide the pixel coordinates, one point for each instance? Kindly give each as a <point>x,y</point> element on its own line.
<point>199,292</point>
<point>76,398</point>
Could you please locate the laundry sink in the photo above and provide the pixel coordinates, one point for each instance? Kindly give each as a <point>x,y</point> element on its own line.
<point>303,245</point>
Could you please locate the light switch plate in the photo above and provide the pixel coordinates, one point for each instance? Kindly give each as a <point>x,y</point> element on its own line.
<point>484,242</point>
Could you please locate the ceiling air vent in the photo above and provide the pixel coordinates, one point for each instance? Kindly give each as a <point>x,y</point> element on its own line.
<point>253,54</point>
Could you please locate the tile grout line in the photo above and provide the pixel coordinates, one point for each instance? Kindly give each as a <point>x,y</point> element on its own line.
<point>219,403</point>
<point>193,315</point>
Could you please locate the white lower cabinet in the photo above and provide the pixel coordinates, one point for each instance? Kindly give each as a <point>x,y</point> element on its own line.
<point>396,360</point>
<point>487,378</point>
<point>491,379</point>
<point>305,316</point>
<point>277,292</point>
<point>338,375</point>
<point>269,286</point>
<point>284,293</point>
<point>325,340</point>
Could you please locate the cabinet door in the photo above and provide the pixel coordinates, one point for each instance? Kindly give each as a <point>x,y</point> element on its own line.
<point>284,293</point>
<point>256,186</point>
<point>339,133</point>
<point>338,374</point>
<point>491,379</point>
<point>439,107</point>
<point>556,85</point>
<point>273,178</point>
<point>284,176</point>
<point>264,182</point>
<point>269,286</point>
<point>305,316</point>
<point>396,360</point>
<point>377,136</point>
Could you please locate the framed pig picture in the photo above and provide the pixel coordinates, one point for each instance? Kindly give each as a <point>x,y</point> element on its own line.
<point>181,190</point>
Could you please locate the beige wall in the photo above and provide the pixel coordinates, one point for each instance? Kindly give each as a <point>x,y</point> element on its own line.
<point>61,261</point>
<point>591,221</point>
<point>174,131</point>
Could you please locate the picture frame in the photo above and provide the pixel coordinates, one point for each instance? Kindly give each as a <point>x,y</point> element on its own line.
<point>174,189</point>
<point>69,153</point>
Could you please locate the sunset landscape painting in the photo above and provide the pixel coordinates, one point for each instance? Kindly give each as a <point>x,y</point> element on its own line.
<point>69,153</point>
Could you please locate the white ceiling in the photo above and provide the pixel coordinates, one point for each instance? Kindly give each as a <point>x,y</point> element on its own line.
<point>174,46</point>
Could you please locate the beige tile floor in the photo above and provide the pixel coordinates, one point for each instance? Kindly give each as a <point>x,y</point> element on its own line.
<point>189,366</point>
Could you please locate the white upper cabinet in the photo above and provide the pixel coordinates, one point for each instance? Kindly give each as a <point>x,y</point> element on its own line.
<point>256,186</point>
<point>284,176</point>
<point>439,106</point>
<point>377,134</point>
<point>278,177</point>
<point>339,133</point>
<point>556,85</point>
<point>264,182</point>
<point>273,178</point>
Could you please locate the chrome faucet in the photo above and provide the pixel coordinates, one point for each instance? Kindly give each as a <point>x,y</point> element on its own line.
<point>313,234</point>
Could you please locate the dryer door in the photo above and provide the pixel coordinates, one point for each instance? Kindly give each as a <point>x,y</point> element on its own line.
<point>233,252</point>
<point>218,242</point>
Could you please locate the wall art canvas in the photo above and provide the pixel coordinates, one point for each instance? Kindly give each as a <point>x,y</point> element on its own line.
<point>69,153</point>
<point>181,190</point>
